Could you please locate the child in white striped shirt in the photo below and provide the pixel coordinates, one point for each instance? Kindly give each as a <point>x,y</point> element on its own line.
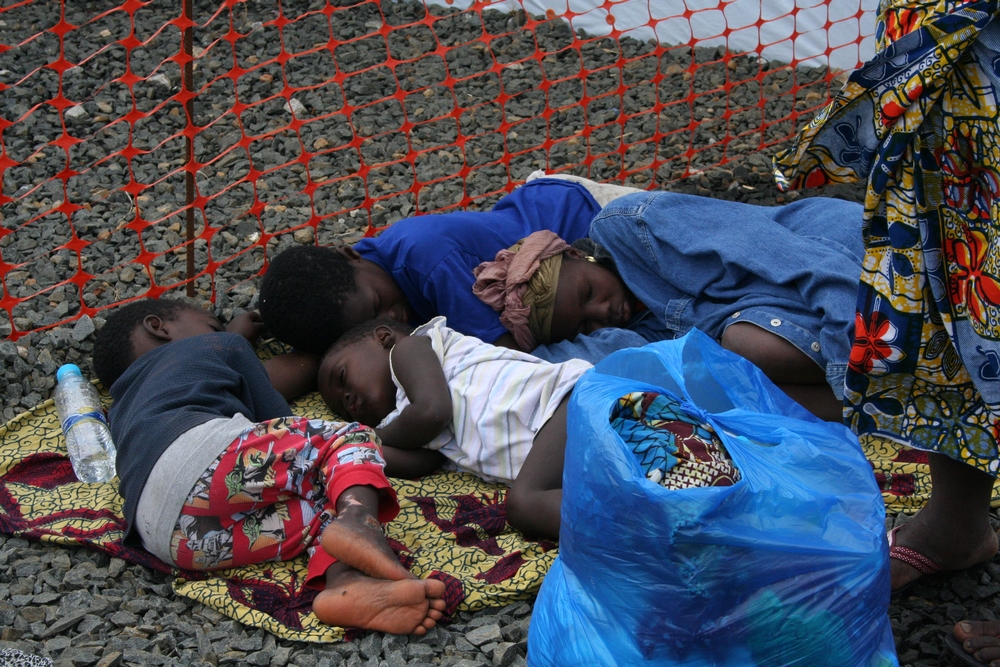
<point>436,394</point>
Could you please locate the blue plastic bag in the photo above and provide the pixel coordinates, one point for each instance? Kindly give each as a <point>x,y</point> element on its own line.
<point>789,566</point>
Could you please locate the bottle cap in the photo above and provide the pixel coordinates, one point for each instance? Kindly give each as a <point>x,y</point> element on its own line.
<point>67,369</point>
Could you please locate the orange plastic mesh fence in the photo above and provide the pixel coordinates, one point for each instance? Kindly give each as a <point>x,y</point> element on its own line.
<point>167,145</point>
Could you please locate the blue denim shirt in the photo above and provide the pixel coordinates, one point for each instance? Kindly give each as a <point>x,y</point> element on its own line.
<point>705,263</point>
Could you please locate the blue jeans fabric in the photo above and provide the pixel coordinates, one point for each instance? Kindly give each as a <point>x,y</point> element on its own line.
<point>592,347</point>
<point>704,263</point>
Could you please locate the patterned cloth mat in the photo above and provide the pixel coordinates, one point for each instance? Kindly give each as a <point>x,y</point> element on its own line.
<point>451,527</point>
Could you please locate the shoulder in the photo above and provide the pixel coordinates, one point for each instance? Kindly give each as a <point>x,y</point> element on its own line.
<point>436,326</point>
<point>427,243</point>
<point>209,347</point>
<point>237,353</point>
<point>443,339</point>
<point>207,351</point>
<point>431,229</point>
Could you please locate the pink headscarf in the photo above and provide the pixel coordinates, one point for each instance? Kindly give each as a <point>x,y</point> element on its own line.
<point>503,283</point>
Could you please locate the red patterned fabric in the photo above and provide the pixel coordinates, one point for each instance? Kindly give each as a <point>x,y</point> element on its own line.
<point>271,493</point>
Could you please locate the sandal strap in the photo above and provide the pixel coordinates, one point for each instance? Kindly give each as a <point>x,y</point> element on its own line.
<point>914,559</point>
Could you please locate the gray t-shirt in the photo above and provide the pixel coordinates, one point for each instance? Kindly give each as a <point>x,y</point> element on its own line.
<point>175,474</point>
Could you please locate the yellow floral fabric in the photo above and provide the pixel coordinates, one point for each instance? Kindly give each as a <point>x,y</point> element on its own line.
<point>919,124</point>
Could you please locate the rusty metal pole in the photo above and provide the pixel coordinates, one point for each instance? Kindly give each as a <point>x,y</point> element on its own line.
<point>189,143</point>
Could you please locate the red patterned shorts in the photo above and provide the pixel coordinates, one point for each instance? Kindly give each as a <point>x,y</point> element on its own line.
<point>271,493</point>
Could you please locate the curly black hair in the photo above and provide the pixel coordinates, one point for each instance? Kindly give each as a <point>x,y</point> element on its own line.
<point>302,294</point>
<point>113,352</point>
<point>365,329</point>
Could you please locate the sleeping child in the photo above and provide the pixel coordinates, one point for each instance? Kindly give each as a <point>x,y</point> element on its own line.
<point>781,297</point>
<point>436,394</point>
<point>217,473</point>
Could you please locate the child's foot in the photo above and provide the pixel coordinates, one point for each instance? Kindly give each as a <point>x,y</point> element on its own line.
<point>352,599</point>
<point>980,639</point>
<point>355,538</point>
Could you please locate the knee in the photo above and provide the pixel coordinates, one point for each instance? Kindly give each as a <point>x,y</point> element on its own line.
<point>516,509</point>
<point>533,512</point>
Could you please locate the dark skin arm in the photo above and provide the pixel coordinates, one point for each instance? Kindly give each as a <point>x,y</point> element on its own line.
<point>411,464</point>
<point>292,374</point>
<point>419,372</point>
<point>507,340</point>
<point>785,365</point>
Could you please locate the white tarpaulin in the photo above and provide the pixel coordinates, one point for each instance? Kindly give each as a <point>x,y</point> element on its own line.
<point>839,33</point>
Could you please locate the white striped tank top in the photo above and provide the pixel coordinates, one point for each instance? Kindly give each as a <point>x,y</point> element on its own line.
<point>500,399</point>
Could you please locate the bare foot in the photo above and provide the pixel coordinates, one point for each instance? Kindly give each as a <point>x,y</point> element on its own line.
<point>949,552</point>
<point>353,599</point>
<point>356,539</point>
<point>981,639</point>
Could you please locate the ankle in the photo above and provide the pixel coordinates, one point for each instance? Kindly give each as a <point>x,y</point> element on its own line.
<point>358,498</point>
<point>359,520</point>
<point>354,513</point>
<point>339,574</point>
<point>947,526</point>
<point>955,546</point>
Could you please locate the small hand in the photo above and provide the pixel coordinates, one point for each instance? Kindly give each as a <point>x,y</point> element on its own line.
<point>248,325</point>
<point>346,251</point>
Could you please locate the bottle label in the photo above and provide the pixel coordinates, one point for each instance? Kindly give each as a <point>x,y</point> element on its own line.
<point>73,420</point>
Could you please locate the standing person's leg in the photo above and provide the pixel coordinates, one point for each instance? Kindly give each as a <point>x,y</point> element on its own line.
<point>535,498</point>
<point>953,530</point>
<point>268,497</point>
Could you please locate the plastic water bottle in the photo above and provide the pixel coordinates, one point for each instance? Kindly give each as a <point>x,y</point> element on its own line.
<point>88,438</point>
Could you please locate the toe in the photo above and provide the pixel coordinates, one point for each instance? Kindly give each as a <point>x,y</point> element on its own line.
<point>968,629</point>
<point>987,655</point>
<point>427,624</point>
<point>976,643</point>
<point>434,587</point>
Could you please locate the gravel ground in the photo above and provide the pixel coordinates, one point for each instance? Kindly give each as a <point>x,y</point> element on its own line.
<point>83,608</point>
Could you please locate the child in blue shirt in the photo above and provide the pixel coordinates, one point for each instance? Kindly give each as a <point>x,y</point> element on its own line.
<point>420,268</point>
